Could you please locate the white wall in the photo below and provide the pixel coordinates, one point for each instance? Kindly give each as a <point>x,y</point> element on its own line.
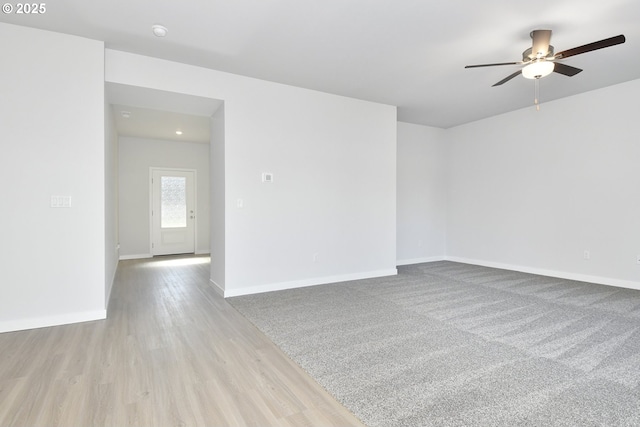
<point>52,120</point>
<point>136,156</point>
<point>217,162</point>
<point>334,163</point>
<point>532,190</point>
<point>421,194</point>
<point>111,200</point>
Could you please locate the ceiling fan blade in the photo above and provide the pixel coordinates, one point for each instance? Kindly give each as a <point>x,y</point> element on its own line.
<point>566,70</point>
<point>541,41</point>
<point>611,41</point>
<point>506,79</point>
<point>492,65</point>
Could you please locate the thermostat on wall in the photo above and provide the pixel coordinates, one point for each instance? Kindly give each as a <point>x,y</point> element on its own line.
<point>267,177</point>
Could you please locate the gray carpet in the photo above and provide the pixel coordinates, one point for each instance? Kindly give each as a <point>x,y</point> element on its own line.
<point>450,344</point>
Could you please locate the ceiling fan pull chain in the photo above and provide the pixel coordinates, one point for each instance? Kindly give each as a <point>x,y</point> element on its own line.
<point>536,94</point>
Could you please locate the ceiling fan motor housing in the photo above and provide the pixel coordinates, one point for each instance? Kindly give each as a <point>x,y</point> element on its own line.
<point>528,54</point>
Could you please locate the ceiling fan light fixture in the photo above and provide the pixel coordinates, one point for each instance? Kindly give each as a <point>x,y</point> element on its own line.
<point>538,69</point>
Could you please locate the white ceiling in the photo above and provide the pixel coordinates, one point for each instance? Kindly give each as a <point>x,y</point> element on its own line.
<point>408,53</point>
<point>160,124</point>
<point>158,114</point>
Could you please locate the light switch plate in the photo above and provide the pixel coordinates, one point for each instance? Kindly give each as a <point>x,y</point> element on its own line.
<point>60,201</point>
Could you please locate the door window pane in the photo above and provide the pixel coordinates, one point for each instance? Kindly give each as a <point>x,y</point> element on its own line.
<point>173,202</point>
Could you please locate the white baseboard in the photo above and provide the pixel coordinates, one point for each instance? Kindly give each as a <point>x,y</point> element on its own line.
<point>136,256</point>
<point>45,322</point>
<point>270,287</point>
<point>144,256</point>
<point>419,260</point>
<point>551,273</point>
<point>219,289</point>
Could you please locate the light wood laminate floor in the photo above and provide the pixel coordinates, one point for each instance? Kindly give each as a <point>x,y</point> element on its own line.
<point>171,353</point>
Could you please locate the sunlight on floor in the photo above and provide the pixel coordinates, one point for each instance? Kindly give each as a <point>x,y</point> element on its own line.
<point>177,262</point>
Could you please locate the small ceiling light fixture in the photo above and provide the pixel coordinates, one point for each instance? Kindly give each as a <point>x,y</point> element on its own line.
<point>125,114</point>
<point>538,69</point>
<point>159,30</point>
<point>178,132</point>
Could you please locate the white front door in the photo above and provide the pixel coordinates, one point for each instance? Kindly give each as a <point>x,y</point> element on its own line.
<point>172,211</point>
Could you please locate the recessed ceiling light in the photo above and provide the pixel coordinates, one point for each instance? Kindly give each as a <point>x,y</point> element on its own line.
<point>126,114</point>
<point>178,132</point>
<point>159,30</point>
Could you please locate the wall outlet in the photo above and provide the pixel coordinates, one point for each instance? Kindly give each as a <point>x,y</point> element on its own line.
<point>586,255</point>
<point>315,257</point>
